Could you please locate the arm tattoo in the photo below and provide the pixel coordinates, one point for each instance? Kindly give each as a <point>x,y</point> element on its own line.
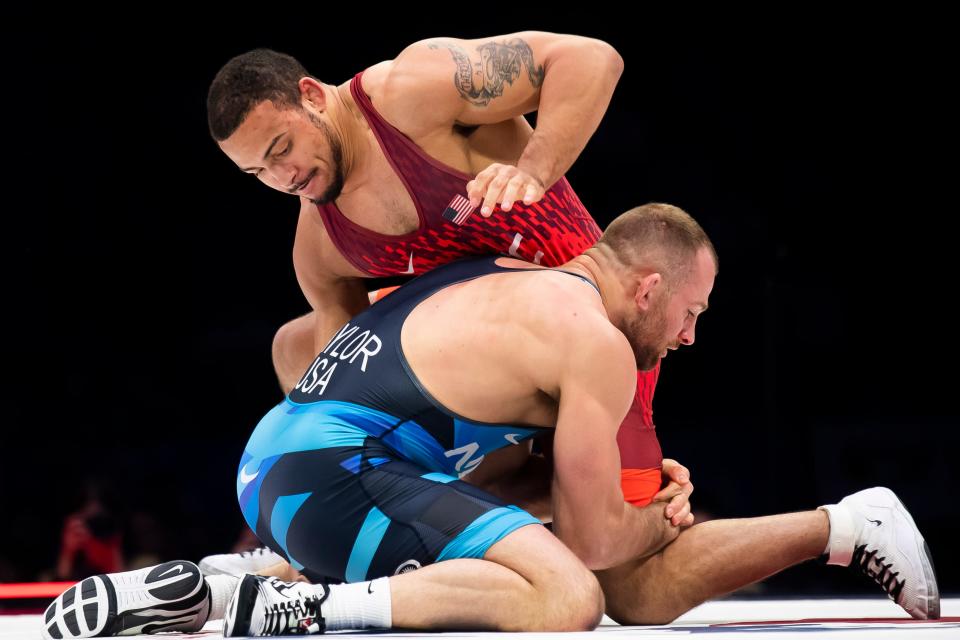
<point>500,64</point>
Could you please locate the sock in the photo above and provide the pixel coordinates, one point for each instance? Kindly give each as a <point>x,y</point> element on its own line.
<point>221,590</point>
<point>360,605</point>
<point>842,535</point>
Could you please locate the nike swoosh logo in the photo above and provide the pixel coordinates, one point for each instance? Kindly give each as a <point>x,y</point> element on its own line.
<point>512,438</point>
<point>370,587</point>
<point>876,522</point>
<point>246,479</point>
<point>409,270</point>
<point>178,569</point>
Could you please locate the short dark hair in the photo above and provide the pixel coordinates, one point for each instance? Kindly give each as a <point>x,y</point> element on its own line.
<point>247,80</point>
<point>658,236</point>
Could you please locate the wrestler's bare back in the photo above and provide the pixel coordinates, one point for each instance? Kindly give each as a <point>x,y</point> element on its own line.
<point>489,350</point>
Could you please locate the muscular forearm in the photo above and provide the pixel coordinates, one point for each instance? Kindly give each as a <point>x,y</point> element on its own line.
<point>635,532</point>
<point>577,87</point>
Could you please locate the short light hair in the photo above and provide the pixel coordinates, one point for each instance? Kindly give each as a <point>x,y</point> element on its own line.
<point>658,237</point>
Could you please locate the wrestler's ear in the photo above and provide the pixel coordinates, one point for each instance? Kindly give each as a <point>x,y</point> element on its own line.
<point>311,93</point>
<point>647,287</point>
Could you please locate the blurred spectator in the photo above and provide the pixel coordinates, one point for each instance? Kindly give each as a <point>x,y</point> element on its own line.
<point>92,539</point>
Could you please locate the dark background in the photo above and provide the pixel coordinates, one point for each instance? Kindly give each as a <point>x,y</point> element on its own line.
<point>146,276</point>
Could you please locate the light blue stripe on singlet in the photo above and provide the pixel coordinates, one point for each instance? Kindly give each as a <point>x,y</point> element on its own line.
<point>368,541</point>
<point>286,430</point>
<point>438,477</point>
<point>249,493</point>
<point>291,427</point>
<point>486,531</point>
<point>284,510</point>
<point>353,463</point>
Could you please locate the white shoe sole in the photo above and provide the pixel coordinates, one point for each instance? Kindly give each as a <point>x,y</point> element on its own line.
<point>890,500</point>
<point>926,561</point>
<point>168,597</point>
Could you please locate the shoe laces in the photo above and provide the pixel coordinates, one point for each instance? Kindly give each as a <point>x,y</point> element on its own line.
<point>879,571</point>
<point>296,616</point>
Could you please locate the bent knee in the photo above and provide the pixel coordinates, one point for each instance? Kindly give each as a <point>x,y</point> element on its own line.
<point>579,602</point>
<point>640,613</point>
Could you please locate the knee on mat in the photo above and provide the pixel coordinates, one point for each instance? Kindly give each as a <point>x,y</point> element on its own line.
<point>580,603</point>
<point>627,610</point>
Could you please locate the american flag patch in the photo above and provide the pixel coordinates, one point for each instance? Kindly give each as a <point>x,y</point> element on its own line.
<point>458,210</point>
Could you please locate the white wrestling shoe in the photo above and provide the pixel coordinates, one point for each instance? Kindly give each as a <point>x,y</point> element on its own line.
<point>237,564</point>
<point>172,596</point>
<point>264,606</point>
<point>872,532</point>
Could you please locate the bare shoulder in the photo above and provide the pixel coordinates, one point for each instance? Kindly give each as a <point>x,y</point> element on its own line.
<point>574,311</point>
<point>373,79</point>
<point>562,299</point>
<point>442,81</point>
<point>564,316</point>
<point>595,366</point>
